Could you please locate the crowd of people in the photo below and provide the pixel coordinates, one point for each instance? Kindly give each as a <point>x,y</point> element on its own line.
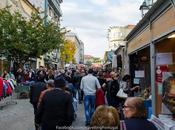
<point>52,94</point>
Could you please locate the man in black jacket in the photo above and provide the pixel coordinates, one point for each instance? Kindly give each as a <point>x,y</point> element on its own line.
<point>56,110</point>
<point>35,91</point>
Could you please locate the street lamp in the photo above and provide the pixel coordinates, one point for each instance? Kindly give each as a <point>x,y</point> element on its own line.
<point>144,8</point>
<point>149,3</point>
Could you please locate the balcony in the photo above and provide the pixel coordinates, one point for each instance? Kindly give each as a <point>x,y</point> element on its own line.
<point>55,4</point>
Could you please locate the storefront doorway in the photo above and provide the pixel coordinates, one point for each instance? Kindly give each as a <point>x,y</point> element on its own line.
<point>140,68</point>
<point>165,68</point>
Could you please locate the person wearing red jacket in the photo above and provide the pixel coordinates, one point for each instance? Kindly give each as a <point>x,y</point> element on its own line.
<point>1,87</point>
<point>100,98</point>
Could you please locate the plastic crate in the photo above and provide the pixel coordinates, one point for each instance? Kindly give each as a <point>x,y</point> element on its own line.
<point>22,91</point>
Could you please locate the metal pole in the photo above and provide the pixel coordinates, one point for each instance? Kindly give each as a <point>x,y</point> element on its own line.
<point>152,61</point>
<point>153,89</point>
<point>45,12</point>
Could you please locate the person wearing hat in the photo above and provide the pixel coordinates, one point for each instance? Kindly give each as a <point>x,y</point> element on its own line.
<point>55,110</point>
<point>49,86</point>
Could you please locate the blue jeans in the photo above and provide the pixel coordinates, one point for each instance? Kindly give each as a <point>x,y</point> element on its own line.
<point>89,106</point>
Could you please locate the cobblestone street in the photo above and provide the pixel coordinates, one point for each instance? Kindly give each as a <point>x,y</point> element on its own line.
<point>20,116</point>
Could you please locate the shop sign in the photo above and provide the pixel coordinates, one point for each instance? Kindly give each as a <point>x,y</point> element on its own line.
<point>139,73</point>
<point>159,72</point>
<point>164,59</point>
<point>136,81</point>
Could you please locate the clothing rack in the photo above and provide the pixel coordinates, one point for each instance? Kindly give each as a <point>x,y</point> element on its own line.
<point>7,99</point>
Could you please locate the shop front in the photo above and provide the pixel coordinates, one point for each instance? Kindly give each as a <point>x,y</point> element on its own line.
<point>139,62</point>
<point>151,53</point>
<point>120,56</point>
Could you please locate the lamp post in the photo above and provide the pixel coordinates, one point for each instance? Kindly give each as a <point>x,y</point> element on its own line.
<point>149,3</point>
<point>144,8</point>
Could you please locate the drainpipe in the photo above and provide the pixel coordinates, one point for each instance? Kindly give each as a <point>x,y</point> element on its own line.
<point>152,61</point>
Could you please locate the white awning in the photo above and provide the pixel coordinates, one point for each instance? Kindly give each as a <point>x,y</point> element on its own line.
<point>107,63</point>
<point>114,61</point>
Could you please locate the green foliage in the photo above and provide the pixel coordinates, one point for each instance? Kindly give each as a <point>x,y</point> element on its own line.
<point>96,60</point>
<point>88,63</point>
<point>21,39</point>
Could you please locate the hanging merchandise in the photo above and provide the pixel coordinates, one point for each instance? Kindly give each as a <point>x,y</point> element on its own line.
<point>159,71</point>
<point>1,87</point>
<point>6,92</point>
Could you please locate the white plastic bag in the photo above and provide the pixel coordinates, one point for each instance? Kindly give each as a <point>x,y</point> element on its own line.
<point>121,93</point>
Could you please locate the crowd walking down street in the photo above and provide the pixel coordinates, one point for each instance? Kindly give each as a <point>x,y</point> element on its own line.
<point>47,82</point>
<point>20,117</point>
<point>55,101</point>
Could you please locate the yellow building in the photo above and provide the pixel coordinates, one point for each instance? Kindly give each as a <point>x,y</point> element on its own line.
<point>23,6</point>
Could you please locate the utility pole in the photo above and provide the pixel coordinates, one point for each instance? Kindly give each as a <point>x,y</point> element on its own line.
<point>45,12</point>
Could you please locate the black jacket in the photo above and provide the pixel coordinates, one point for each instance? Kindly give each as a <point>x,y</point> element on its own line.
<point>55,110</point>
<point>35,91</point>
<point>112,88</point>
<point>139,124</point>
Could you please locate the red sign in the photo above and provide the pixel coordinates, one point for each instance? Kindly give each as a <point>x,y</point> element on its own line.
<point>159,71</point>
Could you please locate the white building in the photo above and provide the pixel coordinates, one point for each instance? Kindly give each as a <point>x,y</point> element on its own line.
<point>116,36</point>
<point>79,54</point>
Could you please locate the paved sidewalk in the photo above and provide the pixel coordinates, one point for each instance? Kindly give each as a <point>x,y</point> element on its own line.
<point>20,117</point>
<point>79,123</point>
<point>17,116</point>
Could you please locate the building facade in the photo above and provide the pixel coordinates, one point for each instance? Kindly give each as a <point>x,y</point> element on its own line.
<point>52,12</point>
<point>116,36</point>
<point>22,6</point>
<point>25,8</point>
<point>79,54</point>
<point>151,54</point>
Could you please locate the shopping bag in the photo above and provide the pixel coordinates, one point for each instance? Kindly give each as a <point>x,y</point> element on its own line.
<point>121,93</point>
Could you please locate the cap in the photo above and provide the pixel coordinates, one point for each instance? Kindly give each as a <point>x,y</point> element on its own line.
<point>59,82</point>
<point>50,82</point>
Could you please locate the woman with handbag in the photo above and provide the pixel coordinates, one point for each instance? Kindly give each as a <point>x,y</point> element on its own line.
<point>125,85</point>
<point>124,92</point>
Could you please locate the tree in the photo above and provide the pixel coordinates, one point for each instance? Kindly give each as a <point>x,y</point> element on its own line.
<point>88,63</point>
<point>96,60</point>
<point>68,51</point>
<point>22,39</point>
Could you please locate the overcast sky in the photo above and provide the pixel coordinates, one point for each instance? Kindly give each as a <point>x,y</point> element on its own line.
<point>90,19</point>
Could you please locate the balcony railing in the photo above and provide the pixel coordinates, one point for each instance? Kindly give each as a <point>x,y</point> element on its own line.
<point>55,4</point>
